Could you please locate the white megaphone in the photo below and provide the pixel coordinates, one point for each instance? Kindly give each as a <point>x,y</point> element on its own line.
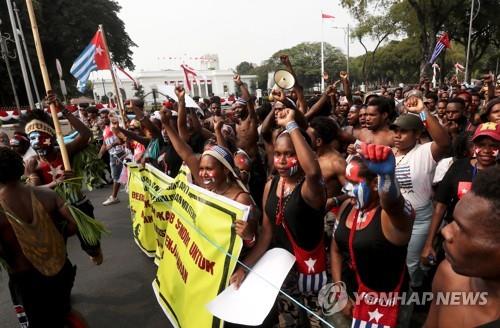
<point>284,79</point>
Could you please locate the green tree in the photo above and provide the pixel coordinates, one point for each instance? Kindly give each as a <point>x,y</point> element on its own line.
<point>139,91</point>
<point>66,28</point>
<point>245,67</point>
<point>424,19</point>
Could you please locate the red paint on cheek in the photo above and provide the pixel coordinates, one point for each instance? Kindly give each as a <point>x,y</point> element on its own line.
<point>291,162</point>
<point>276,161</point>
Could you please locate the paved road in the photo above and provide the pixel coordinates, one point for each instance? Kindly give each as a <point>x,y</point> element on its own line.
<point>116,294</point>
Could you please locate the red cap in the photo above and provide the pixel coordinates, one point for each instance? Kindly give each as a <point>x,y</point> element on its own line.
<point>488,129</point>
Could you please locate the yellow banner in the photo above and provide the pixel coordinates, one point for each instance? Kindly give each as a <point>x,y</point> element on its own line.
<point>139,202</point>
<point>193,228</point>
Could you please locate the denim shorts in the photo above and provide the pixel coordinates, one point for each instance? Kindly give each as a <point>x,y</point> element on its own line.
<point>116,165</point>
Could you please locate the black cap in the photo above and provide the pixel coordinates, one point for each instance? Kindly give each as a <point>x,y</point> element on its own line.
<point>408,122</point>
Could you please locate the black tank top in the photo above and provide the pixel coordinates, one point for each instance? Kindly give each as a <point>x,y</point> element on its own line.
<point>304,222</point>
<point>378,260</point>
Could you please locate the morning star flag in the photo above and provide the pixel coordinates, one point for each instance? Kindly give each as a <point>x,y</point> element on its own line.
<point>188,71</point>
<point>443,42</point>
<point>326,16</point>
<point>93,57</point>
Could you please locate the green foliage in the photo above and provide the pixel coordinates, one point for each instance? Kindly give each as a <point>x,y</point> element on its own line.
<point>245,67</point>
<point>66,28</point>
<point>139,92</point>
<point>421,20</point>
<point>90,167</point>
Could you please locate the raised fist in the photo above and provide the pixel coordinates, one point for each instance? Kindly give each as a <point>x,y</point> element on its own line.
<point>344,75</point>
<point>379,158</point>
<point>180,92</point>
<point>414,104</point>
<point>285,60</point>
<point>237,79</point>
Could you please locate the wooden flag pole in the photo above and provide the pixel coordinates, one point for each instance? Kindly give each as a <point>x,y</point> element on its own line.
<point>48,87</point>
<point>113,77</point>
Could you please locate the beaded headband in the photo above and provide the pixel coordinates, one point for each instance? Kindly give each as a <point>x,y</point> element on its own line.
<point>36,125</point>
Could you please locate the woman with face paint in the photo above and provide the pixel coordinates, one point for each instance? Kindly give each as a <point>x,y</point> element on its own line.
<point>215,171</point>
<point>368,252</point>
<point>293,204</point>
<point>458,180</point>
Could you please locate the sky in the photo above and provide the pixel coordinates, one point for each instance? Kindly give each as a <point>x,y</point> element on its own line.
<point>236,30</point>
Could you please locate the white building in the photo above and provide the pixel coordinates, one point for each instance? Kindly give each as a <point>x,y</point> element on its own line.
<point>208,82</point>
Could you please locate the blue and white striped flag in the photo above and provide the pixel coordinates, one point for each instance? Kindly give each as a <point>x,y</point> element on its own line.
<point>92,58</point>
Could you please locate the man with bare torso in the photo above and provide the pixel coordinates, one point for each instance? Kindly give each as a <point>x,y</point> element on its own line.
<point>323,131</point>
<point>377,122</point>
<point>34,222</point>
<point>472,264</point>
<point>247,138</point>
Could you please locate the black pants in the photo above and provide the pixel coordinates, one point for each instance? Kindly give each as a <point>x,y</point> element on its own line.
<point>46,300</point>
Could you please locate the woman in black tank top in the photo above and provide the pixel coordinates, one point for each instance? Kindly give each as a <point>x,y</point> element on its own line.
<point>293,204</point>
<point>371,257</point>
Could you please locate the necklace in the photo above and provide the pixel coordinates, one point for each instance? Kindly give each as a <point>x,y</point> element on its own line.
<point>283,201</point>
<point>402,158</point>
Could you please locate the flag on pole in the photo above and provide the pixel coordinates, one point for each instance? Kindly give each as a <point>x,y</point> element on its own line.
<point>136,84</point>
<point>443,42</point>
<point>323,16</point>
<point>188,71</point>
<point>92,58</point>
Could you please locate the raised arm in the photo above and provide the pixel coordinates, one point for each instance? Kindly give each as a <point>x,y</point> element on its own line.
<point>181,147</point>
<point>344,77</point>
<point>297,88</point>
<point>182,115</point>
<point>243,88</point>
<point>381,161</point>
<point>145,121</point>
<point>330,90</point>
<point>439,135</point>
<point>134,136</point>
<point>313,189</point>
<point>84,134</point>
<point>218,133</point>
<point>267,127</point>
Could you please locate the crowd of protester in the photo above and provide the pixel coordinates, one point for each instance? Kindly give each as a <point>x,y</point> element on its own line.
<point>381,192</point>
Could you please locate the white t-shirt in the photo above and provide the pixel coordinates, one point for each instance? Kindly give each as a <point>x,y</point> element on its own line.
<point>414,173</point>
